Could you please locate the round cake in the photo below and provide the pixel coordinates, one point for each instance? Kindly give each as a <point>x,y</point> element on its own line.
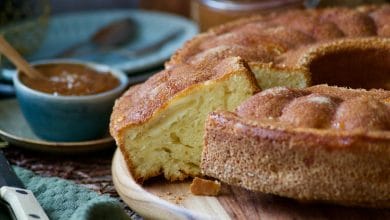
<point>159,125</point>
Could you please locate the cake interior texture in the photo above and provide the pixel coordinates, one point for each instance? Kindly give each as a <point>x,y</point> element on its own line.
<point>268,77</point>
<point>171,142</point>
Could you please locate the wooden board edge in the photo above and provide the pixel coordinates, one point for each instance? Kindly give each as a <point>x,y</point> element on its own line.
<point>142,201</point>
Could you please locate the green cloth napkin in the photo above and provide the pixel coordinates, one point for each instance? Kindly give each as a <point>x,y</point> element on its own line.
<point>65,200</point>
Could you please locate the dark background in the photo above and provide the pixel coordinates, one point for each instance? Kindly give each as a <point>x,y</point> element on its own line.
<point>59,6</point>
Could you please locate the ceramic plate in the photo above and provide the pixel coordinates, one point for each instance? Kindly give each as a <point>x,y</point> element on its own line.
<point>15,130</point>
<point>68,29</point>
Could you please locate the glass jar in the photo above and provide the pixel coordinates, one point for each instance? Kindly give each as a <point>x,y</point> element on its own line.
<point>209,13</point>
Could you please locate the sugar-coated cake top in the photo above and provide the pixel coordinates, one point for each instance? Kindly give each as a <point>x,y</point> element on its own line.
<point>267,38</point>
<point>321,107</point>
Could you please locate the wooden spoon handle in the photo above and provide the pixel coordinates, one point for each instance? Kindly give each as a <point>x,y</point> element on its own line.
<point>7,50</point>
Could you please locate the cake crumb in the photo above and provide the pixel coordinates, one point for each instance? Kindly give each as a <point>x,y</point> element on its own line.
<point>178,199</point>
<point>204,187</point>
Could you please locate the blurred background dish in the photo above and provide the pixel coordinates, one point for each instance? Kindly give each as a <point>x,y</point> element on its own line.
<point>65,30</point>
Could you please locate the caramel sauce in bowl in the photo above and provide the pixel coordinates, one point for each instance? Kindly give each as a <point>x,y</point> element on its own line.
<point>74,103</point>
<point>70,79</point>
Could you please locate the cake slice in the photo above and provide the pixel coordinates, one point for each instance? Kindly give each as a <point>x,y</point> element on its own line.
<point>159,125</point>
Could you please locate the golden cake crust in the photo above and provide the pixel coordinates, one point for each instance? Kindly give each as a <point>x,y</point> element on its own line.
<point>321,143</point>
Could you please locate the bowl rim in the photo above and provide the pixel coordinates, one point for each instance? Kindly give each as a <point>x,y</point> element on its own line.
<point>120,75</point>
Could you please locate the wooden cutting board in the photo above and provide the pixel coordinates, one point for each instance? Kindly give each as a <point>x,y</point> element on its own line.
<point>159,199</point>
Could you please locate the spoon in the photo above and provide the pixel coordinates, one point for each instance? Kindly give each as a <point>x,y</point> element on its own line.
<point>151,47</point>
<point>8,51</point>
<point>110,36</point>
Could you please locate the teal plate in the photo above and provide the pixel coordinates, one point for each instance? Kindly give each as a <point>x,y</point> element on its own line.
<point>15,130</point>
<point>65,30</point>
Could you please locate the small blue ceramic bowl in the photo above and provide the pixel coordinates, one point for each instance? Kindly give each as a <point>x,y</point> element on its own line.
<point>69,118</point>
